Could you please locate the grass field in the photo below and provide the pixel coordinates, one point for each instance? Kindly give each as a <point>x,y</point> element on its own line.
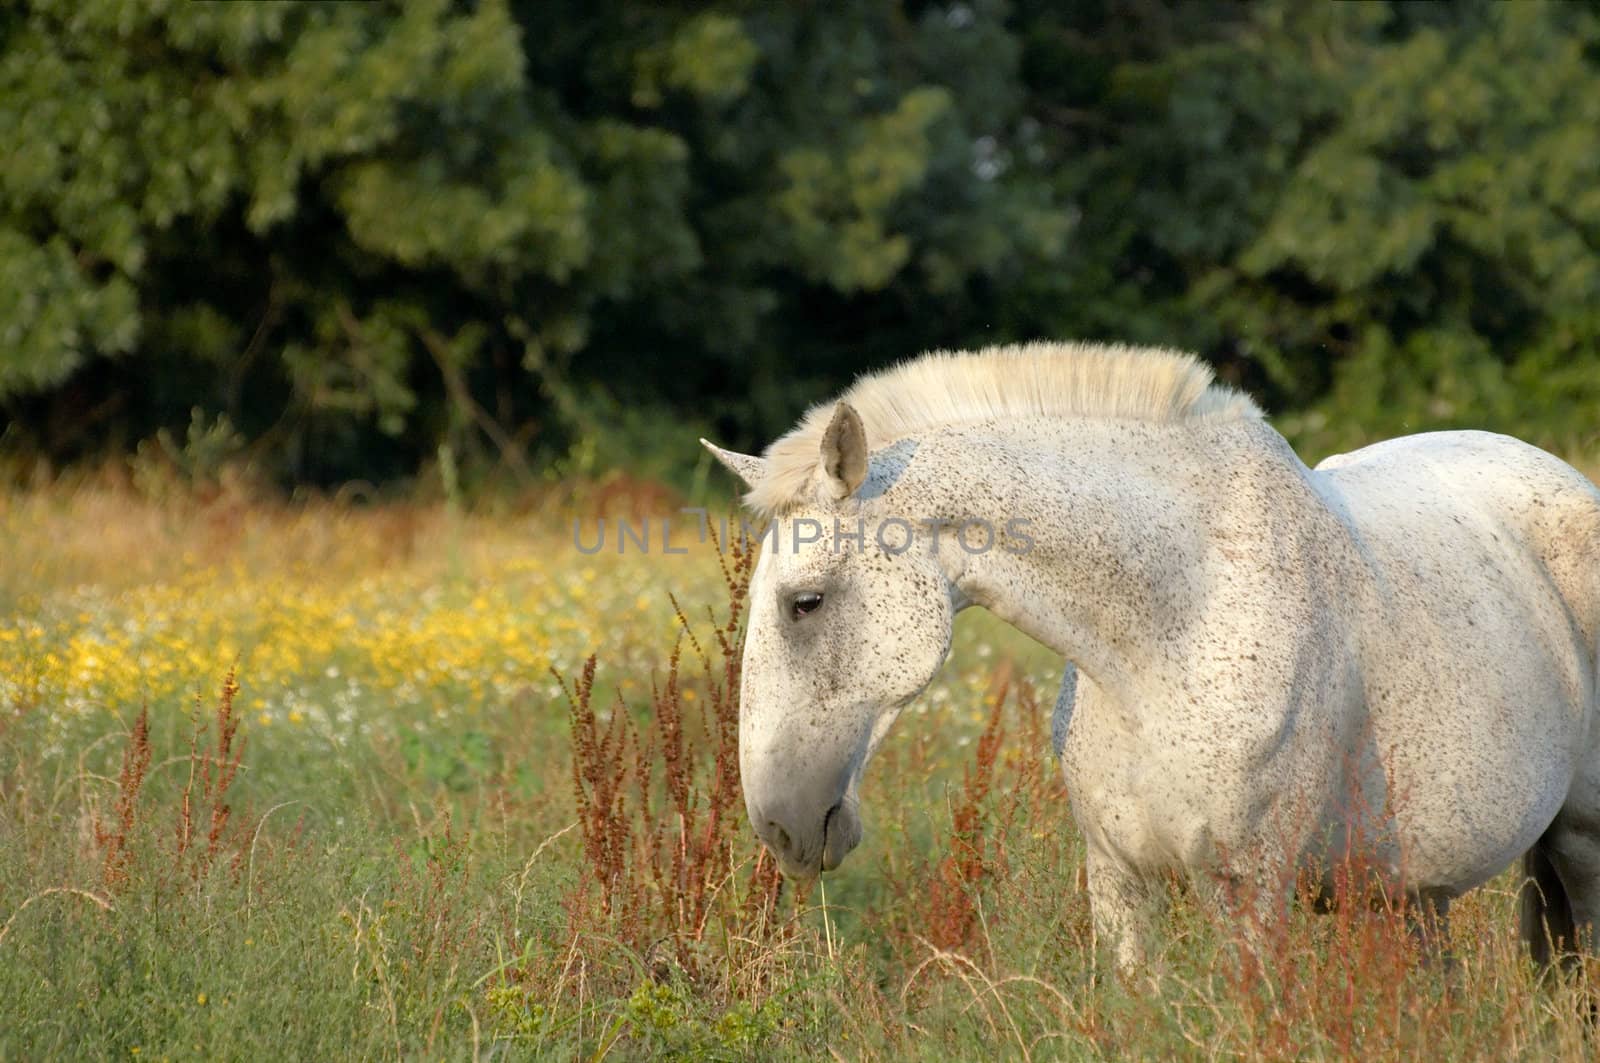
<point>303,782</point>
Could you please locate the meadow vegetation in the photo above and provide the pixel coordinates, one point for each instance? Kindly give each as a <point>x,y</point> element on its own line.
<point>331,780</point>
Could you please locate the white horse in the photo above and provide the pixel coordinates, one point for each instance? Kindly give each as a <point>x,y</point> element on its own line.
<point>1392,656</point>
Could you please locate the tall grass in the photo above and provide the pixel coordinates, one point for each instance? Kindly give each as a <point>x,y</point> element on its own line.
<point>441,864</point>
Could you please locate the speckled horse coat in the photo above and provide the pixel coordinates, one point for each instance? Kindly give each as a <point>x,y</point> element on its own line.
<point>1393,655</point>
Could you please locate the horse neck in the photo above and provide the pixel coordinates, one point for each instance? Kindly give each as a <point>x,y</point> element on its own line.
<point>1122,517</point>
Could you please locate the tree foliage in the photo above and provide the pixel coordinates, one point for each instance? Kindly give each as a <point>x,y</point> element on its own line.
<point>548,232</point>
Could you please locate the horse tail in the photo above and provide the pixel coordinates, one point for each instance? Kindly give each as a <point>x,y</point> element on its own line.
<point>1548,925</point>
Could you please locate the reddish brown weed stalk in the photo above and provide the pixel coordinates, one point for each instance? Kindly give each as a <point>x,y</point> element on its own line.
<point>200,828</point>
<point>1346,976</point>
<point>215,771</point>
<point>665,849</point>
<point>114,838</point>
<point>1005,788</point>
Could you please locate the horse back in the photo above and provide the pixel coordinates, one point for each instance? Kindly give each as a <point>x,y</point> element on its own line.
<point>1477,510</point>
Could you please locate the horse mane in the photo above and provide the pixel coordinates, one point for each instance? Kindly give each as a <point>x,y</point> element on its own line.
<point>945,388</point>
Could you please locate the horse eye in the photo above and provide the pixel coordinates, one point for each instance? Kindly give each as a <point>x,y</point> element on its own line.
<point>805,603</point>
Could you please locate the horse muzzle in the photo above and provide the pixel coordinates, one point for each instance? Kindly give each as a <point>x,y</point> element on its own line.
<point>806,845</point>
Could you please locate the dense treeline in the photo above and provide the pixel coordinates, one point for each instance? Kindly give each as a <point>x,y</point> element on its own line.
<point>558,235</point>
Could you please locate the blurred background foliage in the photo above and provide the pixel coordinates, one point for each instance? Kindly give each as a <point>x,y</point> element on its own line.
<point>546,238</point>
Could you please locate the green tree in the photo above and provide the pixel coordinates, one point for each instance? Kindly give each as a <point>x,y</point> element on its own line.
<point>359,230</point>
<point>549,233</point>
<point>1384,216</point>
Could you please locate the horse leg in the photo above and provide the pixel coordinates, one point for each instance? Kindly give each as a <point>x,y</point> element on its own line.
<point>1428,923</point>
<point>1124,908</point>
<point>1122,905</point>
<point>1546,914</point>
<point>1561,894</point>
<point>1561,884</point>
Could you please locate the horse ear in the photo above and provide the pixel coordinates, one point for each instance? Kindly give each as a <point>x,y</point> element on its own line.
<point>747,467</point>
<point>844,451</point>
